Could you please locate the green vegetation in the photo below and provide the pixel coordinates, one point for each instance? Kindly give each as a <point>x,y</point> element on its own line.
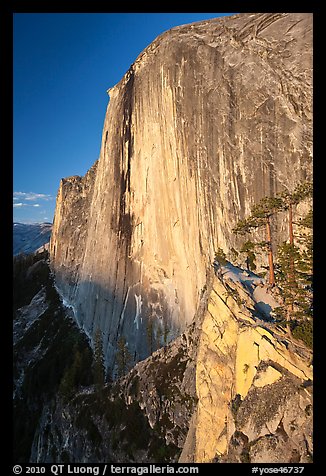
<point>166,373</point>
<point>150,333</point>
<point>48,342</point>
<point>98,366</point>
<point>84,421</point>
<point>161,452</point>
<point>77,374</point>
<point>234,293</point>
<point>304,331</point>
<point>220,257</point>
<point>248,249</point>
<point>62,364</point>
<point>302,191</point>
<point>123,357</point>
<point>245,456</point>
<point>127,425</point>
<point>235,405</point>
<point>293,269</point>
<point>295,279</point>
<point>260,216</point>
<point>30,273</point>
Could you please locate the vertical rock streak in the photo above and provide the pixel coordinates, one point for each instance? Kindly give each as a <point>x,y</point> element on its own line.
<point>211,117</point>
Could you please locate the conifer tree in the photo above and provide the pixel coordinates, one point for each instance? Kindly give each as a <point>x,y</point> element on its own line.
<point>150,333</point>
<point>260,216</point>
<point>302,191</point>
<point>248,248</point>
<point>98,366</point>
<point>123,357</point>
<point>166,332</point>
<point>159,335</point>
<point>70,377</point>
<point>294,278</point>
<point>306,240</point>
<point>220,257</point>
<point>290,199</point>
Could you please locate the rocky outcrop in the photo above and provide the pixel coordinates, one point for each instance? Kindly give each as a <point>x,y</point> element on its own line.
<point>210,118</point>
<point>234,387</point>
<point>231,388</point>
<point>251,382</point>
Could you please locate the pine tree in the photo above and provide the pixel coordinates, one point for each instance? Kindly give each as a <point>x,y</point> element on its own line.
<point>123,357</point>
<point>288,257</point>
<point>150,334</point>
<point>67,384</point>
<point>260,216</point>
<point>295,271</point>
<point>220,257</point>
<point>98,366</point>
<point>294,280</point>
<point>71,377</point>
<point>306,240</point>
<point>301,192</point>
<point>159,336</point>
<point>248,249</point>
<point>166,331</point>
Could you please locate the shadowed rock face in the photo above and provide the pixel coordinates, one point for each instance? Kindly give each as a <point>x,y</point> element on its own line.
<point>210,118</point>
<point>232,388</point>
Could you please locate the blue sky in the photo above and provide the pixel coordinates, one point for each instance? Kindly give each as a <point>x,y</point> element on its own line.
<point>63,65</point>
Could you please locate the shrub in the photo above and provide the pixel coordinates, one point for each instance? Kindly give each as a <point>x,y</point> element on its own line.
<point>303,331</point>
<point>220,257</point>
<point>235,404</point>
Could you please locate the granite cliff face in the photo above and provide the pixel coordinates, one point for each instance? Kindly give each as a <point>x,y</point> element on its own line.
<point>210,118</point>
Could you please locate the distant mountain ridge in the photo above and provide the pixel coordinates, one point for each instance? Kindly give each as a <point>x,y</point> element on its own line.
<point>27,238</point>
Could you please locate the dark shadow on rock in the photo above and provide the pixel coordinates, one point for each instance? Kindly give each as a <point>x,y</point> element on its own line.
<point>264,309</point>
<point>140,314</point>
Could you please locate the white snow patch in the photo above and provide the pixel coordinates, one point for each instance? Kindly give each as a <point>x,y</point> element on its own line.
<point>256,286</point>
<point>265,302</point>
<point>239,275</point>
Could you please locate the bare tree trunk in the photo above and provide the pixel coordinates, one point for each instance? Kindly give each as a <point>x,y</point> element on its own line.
<point>289,312</point>
<point>270,253</point>
<point>291,237</point>
<point>291,224</point>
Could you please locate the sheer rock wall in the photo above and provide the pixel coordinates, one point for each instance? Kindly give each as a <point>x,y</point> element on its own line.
<point>210,118</point>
